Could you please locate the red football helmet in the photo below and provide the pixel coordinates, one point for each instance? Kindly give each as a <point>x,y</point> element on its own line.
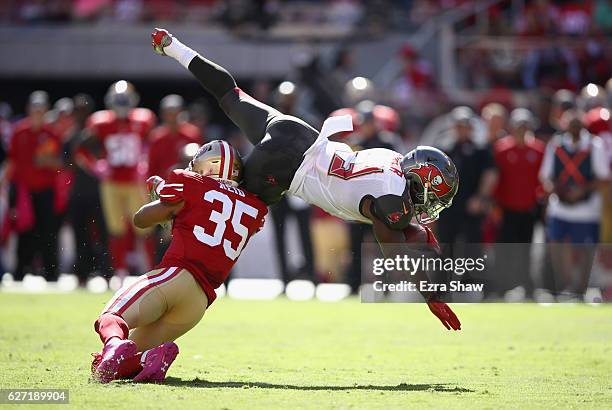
<point>433,179</point>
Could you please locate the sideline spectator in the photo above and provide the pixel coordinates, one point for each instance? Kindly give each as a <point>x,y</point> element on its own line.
<point>168,139</point>
<point>518,157</point>
<point>563,100</point>
<point>494,115</point>
<point>117,137</point>
<point>575,166</point>
<point>84,207</point>
<point>478,179</point>
<point>33,165</point>
<point>599,123</point>
<point>6,128</point>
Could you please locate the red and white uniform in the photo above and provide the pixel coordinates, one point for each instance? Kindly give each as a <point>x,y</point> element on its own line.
<point>124,141</point>
<point>211,229</point>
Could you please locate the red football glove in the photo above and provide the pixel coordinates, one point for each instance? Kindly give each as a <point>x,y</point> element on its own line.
<point>160,38</point>
<point>444,313</point>
<point>152,183</point>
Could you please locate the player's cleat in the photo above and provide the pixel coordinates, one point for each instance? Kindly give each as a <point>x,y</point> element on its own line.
<point>112,356</point>
<point>97,358</point>
<point>157,362</point>
<point>160,38</point>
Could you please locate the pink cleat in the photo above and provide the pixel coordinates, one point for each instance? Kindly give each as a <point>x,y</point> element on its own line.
<point>97,358</point>
<point>113,355</point>
<point>157,362</point>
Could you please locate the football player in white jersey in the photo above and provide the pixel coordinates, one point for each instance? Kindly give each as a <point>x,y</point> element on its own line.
<point>376,186</point>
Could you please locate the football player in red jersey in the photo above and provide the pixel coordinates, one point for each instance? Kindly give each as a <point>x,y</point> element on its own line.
<point>119,135</point>
<point>213,221</point>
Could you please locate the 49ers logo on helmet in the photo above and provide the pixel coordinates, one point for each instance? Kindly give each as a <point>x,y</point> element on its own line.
<point>432,178</point>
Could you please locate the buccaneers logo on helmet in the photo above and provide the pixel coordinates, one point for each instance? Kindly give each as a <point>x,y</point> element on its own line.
<point>432,178</point>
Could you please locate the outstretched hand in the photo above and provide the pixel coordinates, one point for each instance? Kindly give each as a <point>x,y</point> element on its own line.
<point>444,313</point>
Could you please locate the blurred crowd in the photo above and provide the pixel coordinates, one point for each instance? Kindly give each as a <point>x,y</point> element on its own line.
<point>535,17</point>
<point>261,14</point>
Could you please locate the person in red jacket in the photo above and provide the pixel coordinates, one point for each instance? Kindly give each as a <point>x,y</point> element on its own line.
<point>518,157</point>
<point>170,137</point>
<point>34,162</point>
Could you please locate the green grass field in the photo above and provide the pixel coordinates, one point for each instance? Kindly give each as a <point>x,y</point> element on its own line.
<point>283,354</point>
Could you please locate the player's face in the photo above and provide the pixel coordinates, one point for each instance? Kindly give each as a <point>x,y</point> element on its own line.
<point>170,115</point>
<point>463,130</point>
<point>209,168</point>
<point>37,113</point>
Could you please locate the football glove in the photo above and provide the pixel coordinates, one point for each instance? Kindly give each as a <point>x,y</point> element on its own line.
<point>444,313</point>
<point>160,38</point>
<point>154,185</point>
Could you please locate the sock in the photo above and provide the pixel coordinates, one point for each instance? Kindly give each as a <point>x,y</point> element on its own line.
<point>130,367</point>
<point>109,325</point>
<point>180,52</point>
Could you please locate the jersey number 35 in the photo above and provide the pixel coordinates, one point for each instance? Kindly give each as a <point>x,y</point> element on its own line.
<point>220,219</point>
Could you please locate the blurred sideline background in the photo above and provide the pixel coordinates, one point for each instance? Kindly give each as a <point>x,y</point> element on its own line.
<point>498,85</point>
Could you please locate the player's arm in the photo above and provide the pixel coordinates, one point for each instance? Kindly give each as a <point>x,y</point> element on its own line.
<point>250,115</point>
<point>390,241</point>
<point>156,212</point>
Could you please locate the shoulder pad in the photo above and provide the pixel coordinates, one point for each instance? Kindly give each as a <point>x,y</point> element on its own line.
<point>143,115</point>
<point>190,130</point>
<point>100,117</point>
<point>173,188</point>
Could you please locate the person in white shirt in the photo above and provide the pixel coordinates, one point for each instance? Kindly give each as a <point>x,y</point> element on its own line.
<point>574,168</point>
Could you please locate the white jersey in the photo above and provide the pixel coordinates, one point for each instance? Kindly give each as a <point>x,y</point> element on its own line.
<point>335,178</point>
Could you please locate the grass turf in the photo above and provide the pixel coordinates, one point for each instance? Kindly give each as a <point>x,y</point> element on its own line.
<point>282,354</point>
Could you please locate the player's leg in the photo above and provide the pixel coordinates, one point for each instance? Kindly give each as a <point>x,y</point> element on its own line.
<point>136,305</point>
<point>250,115</point>
<point>186,304</point>
<point>113,209</point>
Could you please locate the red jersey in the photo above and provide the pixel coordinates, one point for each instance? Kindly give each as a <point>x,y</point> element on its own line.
<point>123,140</point>
<point>166,146</point>
<point>519,185</point>
<point>211,229</point>
<point>25,147</point>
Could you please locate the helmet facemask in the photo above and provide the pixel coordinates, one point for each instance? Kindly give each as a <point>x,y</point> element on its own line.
<point>426,203</point>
